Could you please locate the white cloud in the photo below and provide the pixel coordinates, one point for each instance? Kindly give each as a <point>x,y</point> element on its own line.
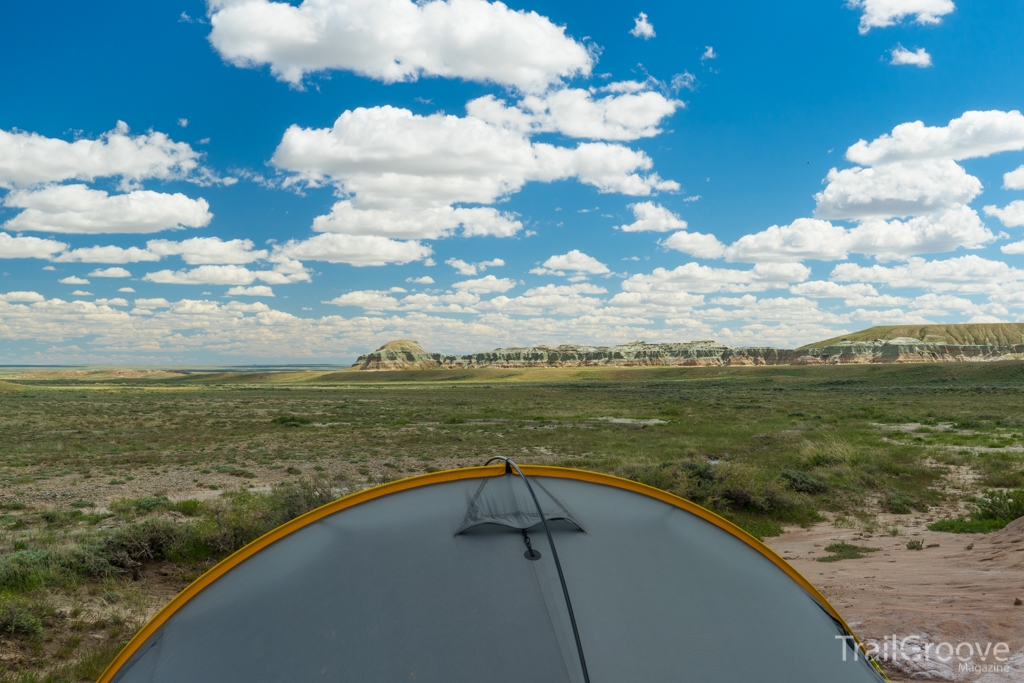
<point>804,238</point>
<point>368,299</point>
<point>115,271</point>
<point>822,289</point>
<point>631,112</point>
<point>695,243</point>
<point>485,285</point>
<point>208,250</point>
<point>416,222</point>
<point>79,292</point>
<point>28,297</point>
<point>956,227</point>
<point>969,273</point>
<point>112,302</point>
<point>223,275</point>
<point>695,278</point>
<point>1014,248</point>
<point>651,217</point>
<point>78,209</point>
<point>73,280</point>
<point>183,122</point>
<point>808,238</point>
<point>356,250</point>
<point>642,28</point>
<point>883,13</point>
<point>709,53</point>
<point>973,134</point>
<point>425,280</point>
<point>126,290</point>
<point>106,254</point>
<point>397,40</point>
<point>919,58</point>
<point>203,275</point>
<point>575,262</point>
<point>468,269</point>
<point>257,290</point>
<point>28,159</point>
<point>401,173</point>
<point>1014,180</point>
<point>897,189</point>
<point>28,247</point>
<point>1011,215</point>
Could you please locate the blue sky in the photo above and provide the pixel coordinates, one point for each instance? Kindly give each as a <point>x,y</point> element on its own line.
<point>247,181</point>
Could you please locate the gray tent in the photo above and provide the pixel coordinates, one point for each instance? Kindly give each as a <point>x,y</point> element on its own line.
<point>450,577</point>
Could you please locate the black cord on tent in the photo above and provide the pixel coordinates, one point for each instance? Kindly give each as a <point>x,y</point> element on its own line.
<point>554,553</point>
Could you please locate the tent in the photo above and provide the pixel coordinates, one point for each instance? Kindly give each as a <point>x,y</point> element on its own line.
<point>498,575</point>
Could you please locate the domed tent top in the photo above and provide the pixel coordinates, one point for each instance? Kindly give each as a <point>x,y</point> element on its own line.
<point>426,579</point>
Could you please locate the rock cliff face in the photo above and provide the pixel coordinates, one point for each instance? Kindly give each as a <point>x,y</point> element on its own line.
<point>409,355</point>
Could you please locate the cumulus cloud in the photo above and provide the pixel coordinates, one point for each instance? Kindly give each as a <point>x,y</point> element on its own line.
<point>208,250</point>
<point>417,222</point>
<point>465,268</point>
<point>114,271</point>
<point>402,173</point>
<point>973,134</point>
<point>823,289</point>
<point>631,111</point>
<point>808,238</point>
<point>73,280</point>
<point>709,53</point>
<point>425,280</point>
<point>804,238</point>
<point>1011,215</point>
<point>883,13</point>
<point>575,262</point>
<point>28,297</point>
<point>79,209</point>
<point>106,254</point>
<point>902,56</point>
<point>695,278</point>
<point>203,275</point>
<point>487,284</point>
<point>397,40</point>
<point>28,159</point>
<point>356,250</point>
<point>256,290</point>
<point>642,28</point>
<point>695,243</point>
<point>652,217</point>
<point>28,247</point>
<point>896,189</point>
<point>969,273</point>
<point>1014,180</point>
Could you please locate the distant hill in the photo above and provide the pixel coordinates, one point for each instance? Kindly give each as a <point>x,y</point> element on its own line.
<point>997,334</point>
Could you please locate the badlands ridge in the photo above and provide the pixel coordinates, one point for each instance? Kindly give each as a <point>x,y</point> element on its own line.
<point>890,344</point>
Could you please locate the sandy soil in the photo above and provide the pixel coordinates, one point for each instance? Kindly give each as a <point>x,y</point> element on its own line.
<point>943,594</point>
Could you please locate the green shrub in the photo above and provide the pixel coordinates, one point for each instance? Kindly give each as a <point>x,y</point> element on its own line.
<point>83,504</point>
<point>991,512</point>
<point>291,420</point>
<point>802,482</point>
<point>845,551</point>
<point>915,545</point>
<point>17,619</point>
<point>901,504</point>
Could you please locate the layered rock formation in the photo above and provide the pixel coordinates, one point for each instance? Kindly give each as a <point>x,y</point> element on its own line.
<point>409,355</point>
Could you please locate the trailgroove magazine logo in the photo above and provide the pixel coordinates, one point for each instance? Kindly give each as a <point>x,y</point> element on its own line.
<point>917,652</point>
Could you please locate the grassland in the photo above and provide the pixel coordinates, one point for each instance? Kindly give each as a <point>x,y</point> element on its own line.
<point>117,490</point>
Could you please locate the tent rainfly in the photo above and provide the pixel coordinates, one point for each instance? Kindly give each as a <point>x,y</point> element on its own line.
<point>456,577</point>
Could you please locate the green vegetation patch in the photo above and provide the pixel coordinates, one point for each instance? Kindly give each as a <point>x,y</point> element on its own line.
<point>845,551</point>
<point>989,512</point>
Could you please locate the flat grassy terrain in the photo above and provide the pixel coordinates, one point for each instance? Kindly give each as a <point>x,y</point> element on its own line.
<point>117,489</point>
